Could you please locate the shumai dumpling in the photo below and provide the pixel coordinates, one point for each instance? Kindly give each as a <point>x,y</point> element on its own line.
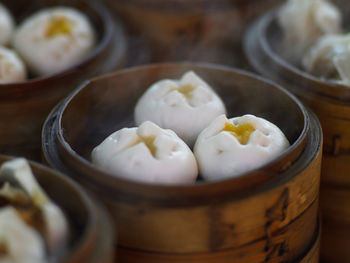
<point>303,22</point>
<point>54,39</point>
<point>230,147</point>
<point>185,106</point>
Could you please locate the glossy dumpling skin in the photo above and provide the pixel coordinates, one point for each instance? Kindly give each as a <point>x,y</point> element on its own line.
<point>185,106</point>
<point>230,147</point>
<point>146,153</point>
<point>303,22</point>
<point>54,39</point>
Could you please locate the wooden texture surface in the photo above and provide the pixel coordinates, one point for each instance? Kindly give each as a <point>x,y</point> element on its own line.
<point>24,106</point>
<point>331,103</point>
<point>91,237</point>
<point>194,30</point>
<point>226,256</point>
<point>268,215</point>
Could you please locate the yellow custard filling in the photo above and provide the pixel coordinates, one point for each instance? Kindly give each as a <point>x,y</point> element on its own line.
<point>185,90</point>
<point>59,26</point>
<point>242,132</point>
<point>149,142</point>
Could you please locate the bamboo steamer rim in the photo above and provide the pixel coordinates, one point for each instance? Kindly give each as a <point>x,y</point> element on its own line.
<point>107,31</point>
<point>53,128</point>
<point>91,219</point>
<point>185,187</point>
<point>258,33</point>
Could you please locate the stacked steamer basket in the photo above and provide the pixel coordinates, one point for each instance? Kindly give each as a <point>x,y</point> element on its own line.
<point>24,105</point>
<point>90,228</point>
<point>331,103</point>
<point>200,30</point>
<point>266,215</point>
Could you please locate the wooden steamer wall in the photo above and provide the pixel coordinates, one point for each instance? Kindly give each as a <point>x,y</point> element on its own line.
<point>331,103</point>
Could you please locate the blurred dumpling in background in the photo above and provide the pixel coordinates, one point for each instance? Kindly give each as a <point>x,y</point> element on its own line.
<point>54,39</point>
<point>303,22</point>
<point>18,241</point>
<point>330,58</point>
<point>7,25</point>
<point>24,205</point>
<point>12,68</point>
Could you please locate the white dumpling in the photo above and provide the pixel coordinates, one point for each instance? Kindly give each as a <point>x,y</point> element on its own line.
<point>304,21</point>
<point>19,172</point>
<point>7,25</point>
<point>228,148</point>
<point>185,106</point>
<point>12,68</point>
<point>146,154</point>
<point>329,57</point>
<point>56,228</point>
<point>54,39</point>
<point>342,64</point>
<point>19,242</point>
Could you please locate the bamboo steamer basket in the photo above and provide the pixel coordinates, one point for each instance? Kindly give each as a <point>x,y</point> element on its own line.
<point>25,105</point>
<point>196,30</point>
<point>267,215</point>
<point>91,230</point>
<point>331,103</point>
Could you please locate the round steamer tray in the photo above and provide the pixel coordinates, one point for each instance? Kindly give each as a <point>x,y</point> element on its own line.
<point>331,104</point>
<point>91,236</point>
<point>25,105</point>
<point>266,215</point>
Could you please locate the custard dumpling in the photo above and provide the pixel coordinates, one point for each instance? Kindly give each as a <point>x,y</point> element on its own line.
<point>185,106</point>
<point>303,22</point>
<point>230,147</point>
<point>12,68</point>
<point>54,39</point>
<point>146,153</point>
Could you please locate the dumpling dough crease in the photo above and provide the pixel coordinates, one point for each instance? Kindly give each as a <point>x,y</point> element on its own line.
<point>146,153</point>
<point>185,106</point>
<point>54,39</point>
